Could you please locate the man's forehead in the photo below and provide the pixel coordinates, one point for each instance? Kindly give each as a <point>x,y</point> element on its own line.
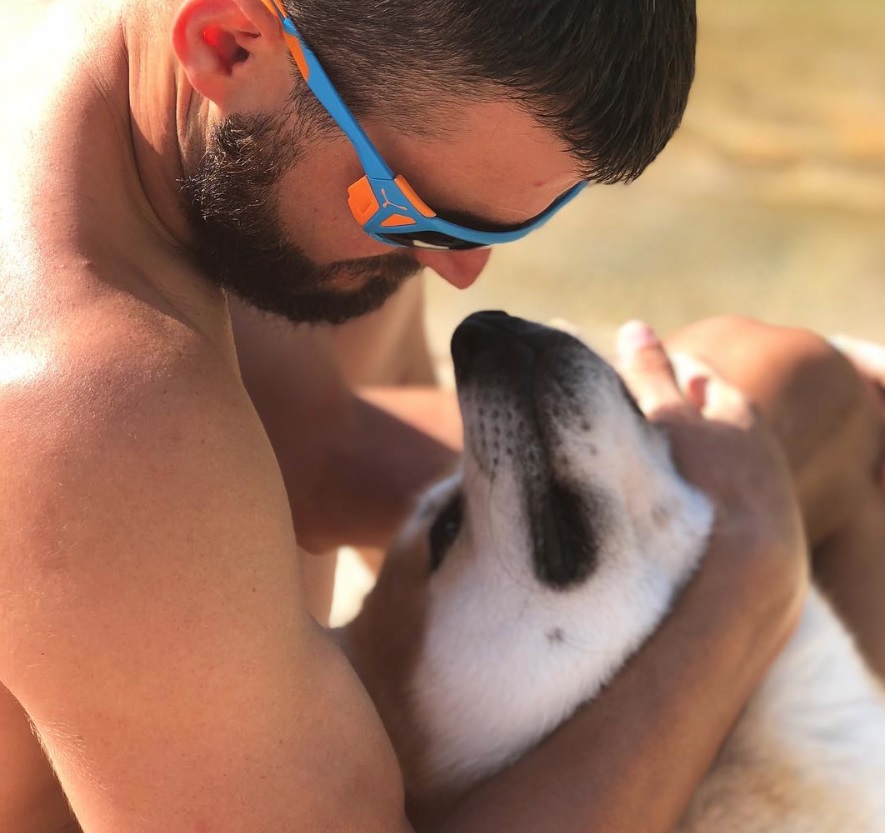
<point>491,164</point>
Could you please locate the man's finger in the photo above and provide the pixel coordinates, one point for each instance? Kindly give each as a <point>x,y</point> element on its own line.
<point>867,356</point>
<point>728,404</point>
<point>646,369</point>
<point>712,395</point>
<point>869,359</point>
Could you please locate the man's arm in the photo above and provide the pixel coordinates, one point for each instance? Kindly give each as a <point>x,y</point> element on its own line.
<point>632,759</point>
<point>829,415</point>
<point>352,464</point>
<point>152,625</point>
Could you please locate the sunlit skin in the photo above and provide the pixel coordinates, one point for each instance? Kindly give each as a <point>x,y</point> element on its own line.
<point>154,631</point>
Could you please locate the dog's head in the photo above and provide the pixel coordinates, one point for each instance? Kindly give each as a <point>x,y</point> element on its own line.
<point>526,580</point>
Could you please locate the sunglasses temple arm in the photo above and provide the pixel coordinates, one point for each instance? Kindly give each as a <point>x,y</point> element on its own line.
<point>322,87</point>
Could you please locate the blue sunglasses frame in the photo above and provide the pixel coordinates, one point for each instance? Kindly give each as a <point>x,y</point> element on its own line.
<point>386,206</point>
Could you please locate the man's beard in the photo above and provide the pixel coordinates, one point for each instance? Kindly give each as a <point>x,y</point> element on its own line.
<point>239,239</point>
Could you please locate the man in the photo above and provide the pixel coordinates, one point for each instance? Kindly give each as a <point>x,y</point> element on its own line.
<point>159,667</point>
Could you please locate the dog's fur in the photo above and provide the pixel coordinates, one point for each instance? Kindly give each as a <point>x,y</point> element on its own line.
<point>490,625</point>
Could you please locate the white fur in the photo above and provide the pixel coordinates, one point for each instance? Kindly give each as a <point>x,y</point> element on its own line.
<point>482,711</point>
<point>506,659</point>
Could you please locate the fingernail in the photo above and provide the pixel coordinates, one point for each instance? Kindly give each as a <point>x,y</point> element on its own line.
<point>635,335</point>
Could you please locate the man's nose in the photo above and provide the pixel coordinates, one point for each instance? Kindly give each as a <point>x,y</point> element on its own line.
<point>460,269</point>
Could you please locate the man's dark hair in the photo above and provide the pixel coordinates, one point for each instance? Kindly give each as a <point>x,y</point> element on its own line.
<point>609,77</point>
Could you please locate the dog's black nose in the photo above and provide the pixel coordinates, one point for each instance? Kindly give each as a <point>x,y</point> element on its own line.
<point>478,335</point>
<point>495,334</point>
<point>474,334</point>
<point>481,330</point>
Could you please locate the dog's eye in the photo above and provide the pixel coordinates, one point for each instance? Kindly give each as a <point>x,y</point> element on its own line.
<point>445,529</point>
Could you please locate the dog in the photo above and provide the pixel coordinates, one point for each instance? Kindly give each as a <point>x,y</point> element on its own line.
<point>526,580</point>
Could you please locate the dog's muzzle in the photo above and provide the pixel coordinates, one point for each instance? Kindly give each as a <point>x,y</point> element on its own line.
<point>522,386</point>
<point>495,342</point>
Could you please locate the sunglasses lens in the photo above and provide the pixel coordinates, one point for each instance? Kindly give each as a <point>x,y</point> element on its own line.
<point>429,240</point>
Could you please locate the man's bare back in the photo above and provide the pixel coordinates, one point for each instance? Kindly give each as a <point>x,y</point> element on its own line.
<point>153,631</point>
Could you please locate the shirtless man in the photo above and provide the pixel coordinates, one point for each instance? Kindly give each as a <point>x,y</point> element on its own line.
<point>159,669</point>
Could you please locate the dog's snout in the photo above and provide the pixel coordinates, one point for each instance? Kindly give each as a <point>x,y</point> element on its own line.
<point>477,339</point>
<point>483,328</point>
<point>474,335</point>
<point>498,339</point>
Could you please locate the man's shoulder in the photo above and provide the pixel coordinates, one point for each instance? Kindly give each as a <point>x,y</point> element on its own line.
<point>99,372</point>
<point>100,424</point>
<point>128,457</point>
<point>151,615</point>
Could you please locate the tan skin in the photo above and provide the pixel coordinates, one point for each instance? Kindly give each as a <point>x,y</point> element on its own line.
<point>154,629</point>
<point>831,428</point>
<point>828,416</point>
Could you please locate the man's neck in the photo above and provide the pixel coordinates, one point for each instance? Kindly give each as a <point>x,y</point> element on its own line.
<point>167,116</point>
<point>93,149</point>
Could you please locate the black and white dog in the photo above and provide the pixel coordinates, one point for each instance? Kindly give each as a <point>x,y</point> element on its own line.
<point>523,583</point>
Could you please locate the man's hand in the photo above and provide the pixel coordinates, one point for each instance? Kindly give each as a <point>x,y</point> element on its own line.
<point>757,546</point>
<point>869,359</point>
<point>867,356</point>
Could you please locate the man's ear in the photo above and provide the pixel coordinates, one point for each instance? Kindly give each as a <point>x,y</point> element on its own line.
<point>216,40</point>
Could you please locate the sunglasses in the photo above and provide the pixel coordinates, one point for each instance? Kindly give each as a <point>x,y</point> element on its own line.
<point>386,206</point>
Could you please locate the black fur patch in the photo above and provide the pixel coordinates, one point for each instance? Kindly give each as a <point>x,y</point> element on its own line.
<point>566,526</point>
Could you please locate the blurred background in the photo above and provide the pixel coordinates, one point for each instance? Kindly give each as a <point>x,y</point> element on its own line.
<point>770,201</point>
